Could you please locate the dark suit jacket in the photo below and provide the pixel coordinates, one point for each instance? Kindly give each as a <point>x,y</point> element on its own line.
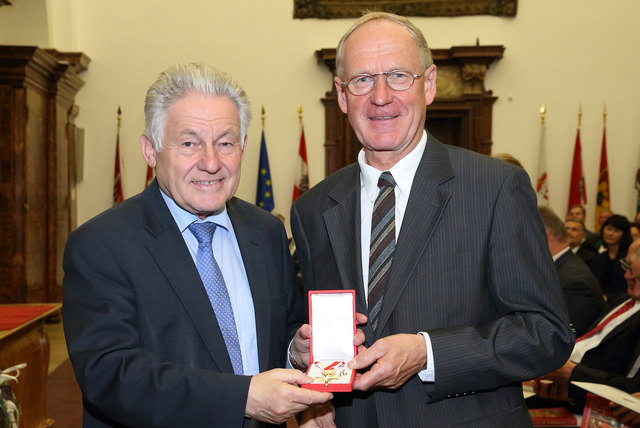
<point>142,336</point>
<point>611,360</point>
<point>581,291</point>
<point>471,267</point>
<point>610,274</point>
<point>586,254</point>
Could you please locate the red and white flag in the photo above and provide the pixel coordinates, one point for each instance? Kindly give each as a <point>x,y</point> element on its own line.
<point>603,200</point>
<point>542,186</point>
<point>117,178</point>
<point>301,184</point>
<point>577,191</point>
<point>149,177</point>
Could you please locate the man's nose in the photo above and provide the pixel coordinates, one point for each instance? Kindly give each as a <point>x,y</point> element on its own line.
<point>209,159</point>
<point>381,93</point>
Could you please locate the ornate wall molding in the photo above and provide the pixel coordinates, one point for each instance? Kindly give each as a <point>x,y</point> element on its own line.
<point>330,9</point>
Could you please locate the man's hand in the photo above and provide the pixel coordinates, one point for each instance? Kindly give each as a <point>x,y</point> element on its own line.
<point>558,391</point>
<point>555,385</point>
<point>300,357</point>
<point>393,360</point>
<point>625,415</point>
<point>319,416</point>
<point>274,396</point>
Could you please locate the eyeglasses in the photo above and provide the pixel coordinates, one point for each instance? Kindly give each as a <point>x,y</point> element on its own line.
<point>398,80</point>
<point>624,264</point>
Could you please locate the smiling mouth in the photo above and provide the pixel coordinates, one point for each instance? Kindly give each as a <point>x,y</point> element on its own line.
<point>207,182</point>
<point>382,117</point>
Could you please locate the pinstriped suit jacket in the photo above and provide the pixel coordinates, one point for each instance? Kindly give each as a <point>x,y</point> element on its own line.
<point>472,268</point>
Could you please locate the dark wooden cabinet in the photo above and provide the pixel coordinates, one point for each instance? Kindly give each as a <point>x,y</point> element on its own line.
<point>37,169</point>
<point>461,114</point>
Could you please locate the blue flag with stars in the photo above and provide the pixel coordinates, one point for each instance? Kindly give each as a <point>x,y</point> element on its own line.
<point>264,195</point>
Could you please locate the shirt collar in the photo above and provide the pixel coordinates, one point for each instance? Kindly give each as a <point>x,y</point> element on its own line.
<point>403,171</point>
<point>559,254</point>
<point>184,218</point>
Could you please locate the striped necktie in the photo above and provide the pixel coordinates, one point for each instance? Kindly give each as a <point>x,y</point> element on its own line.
<point>383,244</point>
<point>217,291</point>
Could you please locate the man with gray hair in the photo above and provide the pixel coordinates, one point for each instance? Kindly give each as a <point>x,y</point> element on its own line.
<point>180,302</point>
<point>444,248</point>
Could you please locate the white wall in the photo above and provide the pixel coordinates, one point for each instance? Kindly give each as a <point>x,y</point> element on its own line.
<point>557,53</point>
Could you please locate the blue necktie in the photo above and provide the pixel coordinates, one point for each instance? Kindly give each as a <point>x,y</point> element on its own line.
<point>217,291</point>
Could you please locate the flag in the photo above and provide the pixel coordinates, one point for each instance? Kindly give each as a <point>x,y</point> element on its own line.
<point>542,187</point>
<point>264,194</point>
<point>117,179</point>
<point>149,177</point>
<point>603,196</point>
<point>638,189</point>
<point>577,191</point>
<point>301,184</point>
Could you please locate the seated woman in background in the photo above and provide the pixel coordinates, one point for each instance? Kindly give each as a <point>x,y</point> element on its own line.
<point>616,238</point>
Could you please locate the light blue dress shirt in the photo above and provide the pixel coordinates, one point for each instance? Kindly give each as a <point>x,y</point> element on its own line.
<point>227,254</point>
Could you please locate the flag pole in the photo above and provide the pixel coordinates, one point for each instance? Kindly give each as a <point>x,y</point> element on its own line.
<point>264,192</point>
<point>580,116</point>
<point>603,196</point>
<point>117,176</point>
<point>542,185</point>
<point>301,183</point>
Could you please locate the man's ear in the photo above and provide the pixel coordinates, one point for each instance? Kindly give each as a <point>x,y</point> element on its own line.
<point>342,96</point>
<point>244,146</point>
<point>430,83</point>
<point>148,152</point>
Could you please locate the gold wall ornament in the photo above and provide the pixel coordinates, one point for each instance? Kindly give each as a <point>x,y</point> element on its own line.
<point>331,9</point>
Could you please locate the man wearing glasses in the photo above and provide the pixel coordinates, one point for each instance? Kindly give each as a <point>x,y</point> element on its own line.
<point>444,247</point>
<point>609,352</point>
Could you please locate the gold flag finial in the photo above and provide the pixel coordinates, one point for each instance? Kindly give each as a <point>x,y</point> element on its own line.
<point>262,116</point>
<point>300,113</point>
<point>580,116</point>
<point>119,116</point>
<point>543,113</point>
<point>604,114</point>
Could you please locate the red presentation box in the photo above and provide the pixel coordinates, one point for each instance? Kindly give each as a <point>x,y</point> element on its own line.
<point>332,316</point>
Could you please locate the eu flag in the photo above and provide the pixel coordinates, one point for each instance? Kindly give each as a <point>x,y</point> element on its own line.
<point>264,195</point>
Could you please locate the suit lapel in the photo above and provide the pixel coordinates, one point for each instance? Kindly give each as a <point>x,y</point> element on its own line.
<point>345,241</point>
<point>172,256</point>
<point>425,208</point>
<point>252,246</point>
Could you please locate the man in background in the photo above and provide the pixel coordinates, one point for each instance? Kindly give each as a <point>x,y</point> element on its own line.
<point>580,287</point>
<point>578,240</point>
<point>578,212</point>
<point>180,302</point>
<point>462,298</point>
<point>609,353</point>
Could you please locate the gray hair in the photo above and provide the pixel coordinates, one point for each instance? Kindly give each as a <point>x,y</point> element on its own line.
<point>180,80</point>
<point>423,49</point>
<point>553,224</point>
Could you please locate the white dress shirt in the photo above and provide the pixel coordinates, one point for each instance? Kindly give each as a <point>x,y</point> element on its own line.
<point>403,173</point>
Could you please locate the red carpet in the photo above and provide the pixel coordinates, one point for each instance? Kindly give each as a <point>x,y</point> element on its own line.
<point>64,400</point>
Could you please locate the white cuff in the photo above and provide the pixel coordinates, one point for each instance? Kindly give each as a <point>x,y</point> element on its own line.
<point>428,374</point>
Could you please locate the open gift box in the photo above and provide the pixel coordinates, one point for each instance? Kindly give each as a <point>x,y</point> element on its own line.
<point>332,316</point>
